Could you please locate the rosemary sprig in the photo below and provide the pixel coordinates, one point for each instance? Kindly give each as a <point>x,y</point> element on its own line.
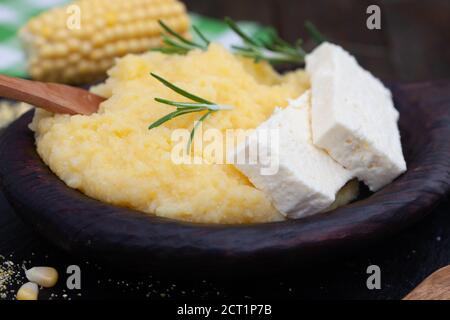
<point>177,44</point>
<point>182,108</point>
<point>274,50</point>
<point>271,48</point>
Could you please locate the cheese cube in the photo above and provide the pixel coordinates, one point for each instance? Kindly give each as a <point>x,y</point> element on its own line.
<point>307,178</point>
<point>353,117</point>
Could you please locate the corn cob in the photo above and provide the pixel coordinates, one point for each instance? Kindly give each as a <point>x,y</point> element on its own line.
<point>108,29</point>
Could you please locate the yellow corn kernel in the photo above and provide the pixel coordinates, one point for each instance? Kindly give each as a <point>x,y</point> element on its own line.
<point>44,276</point>
<point>108,29</point>
<point>28,291</point>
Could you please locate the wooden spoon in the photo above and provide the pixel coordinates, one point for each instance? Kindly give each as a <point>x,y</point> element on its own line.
<point>53,97</point>
<point>434,287</point>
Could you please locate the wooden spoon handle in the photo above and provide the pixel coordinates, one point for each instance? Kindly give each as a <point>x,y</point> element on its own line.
<point>53,97</point>
<point>434,287</point>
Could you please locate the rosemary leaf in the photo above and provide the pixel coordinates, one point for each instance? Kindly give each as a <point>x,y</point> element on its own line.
<point>233,25</point>
<point>314,32</point>
<point>177,35</point>
<point>179,90</point>
<point>169,117</point>
<point>191,136</point>
<point>175,44</point>
<point>201,35</point>
<point>185,105</point>
<point>170,50</point>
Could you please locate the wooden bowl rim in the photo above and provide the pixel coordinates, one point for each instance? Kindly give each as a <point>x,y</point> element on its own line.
<point>89,227</point>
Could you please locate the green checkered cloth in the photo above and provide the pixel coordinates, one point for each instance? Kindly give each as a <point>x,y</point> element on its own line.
<point>15,13</point>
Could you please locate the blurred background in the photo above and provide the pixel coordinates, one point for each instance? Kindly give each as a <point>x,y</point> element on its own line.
<point>412,44</point>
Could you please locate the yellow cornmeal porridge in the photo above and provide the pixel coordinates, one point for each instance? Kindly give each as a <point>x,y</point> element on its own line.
<point>113,157</point>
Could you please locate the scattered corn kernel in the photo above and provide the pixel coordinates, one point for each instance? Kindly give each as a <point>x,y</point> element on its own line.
<point>43,276</point>
<point>28,291</point>
<point>108,29</point>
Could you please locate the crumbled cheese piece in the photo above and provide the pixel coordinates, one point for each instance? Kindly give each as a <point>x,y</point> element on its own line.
<point>308,178</point>
<point>353,117</point>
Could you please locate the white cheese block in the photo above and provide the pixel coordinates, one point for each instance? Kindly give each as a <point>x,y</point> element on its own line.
<point>353,117</point>
<point>307,178</point>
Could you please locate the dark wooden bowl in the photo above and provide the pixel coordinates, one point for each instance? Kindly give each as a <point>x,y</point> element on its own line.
<point>120,237</point>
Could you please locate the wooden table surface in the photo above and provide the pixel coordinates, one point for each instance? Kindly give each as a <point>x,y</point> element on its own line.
<point>405,260</point>
<point>411,46</point>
